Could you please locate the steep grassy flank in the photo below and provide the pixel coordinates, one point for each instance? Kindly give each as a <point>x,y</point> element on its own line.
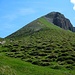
<point>35,26</point>
<point>27,30</point>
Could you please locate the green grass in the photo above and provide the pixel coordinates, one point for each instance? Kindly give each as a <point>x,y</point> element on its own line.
<point>19,67</point>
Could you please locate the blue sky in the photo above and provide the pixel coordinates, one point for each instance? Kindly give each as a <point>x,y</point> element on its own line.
<point>14,14</point>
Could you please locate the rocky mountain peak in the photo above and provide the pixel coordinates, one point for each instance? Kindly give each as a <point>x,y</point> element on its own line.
<point>60,20</point>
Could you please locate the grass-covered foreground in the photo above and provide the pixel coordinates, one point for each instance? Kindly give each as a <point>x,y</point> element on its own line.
<point>12,66</point>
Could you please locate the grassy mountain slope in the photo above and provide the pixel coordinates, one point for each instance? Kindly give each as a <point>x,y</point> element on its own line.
<point>48,44</point>
<point>41,43</point>
<point>15,66</point>
<point>28,29</point>
<point>35,26</point>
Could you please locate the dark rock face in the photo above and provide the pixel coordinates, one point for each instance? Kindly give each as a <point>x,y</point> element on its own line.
<point>73,29</point>
<point>59,19</point>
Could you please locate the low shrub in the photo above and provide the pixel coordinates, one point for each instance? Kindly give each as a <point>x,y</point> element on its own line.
<point>36,62</point>
<point>56,67</point>
<point>42,54</point>
<point>28,60</point>
<point>44,64</point>
<point>70,67</point>
<point>52,56</point>
<point>70,61</point>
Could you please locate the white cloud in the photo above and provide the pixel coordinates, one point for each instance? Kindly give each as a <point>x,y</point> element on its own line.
<point>73,1</point>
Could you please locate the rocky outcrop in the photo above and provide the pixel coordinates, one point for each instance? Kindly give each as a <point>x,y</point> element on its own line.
<point>73,29</point>
<point>59,19</point>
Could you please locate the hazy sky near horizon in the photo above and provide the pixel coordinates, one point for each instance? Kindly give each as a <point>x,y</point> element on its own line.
<point>14,14</point>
